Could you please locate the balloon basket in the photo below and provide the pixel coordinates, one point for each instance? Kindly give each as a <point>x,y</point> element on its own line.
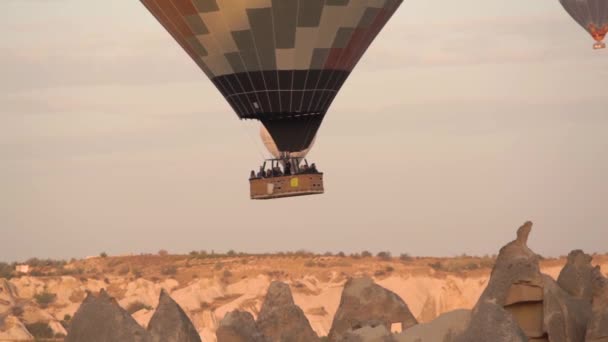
<point>286,186</point>
<point>599,45</point>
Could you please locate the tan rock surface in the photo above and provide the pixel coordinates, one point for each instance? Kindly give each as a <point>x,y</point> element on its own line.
<point>576,277</point>
<point>566,316</point>
<point>12,329</point>
<point>446,326</point>
<point>200,289</point>
<point>597,329</point>
<point>364,303</point>
<point>170,323</point>
<point>280,320</point>
<point>239,326</point>
<point>101,319</point>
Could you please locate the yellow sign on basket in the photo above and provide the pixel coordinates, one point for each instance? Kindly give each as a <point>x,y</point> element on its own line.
<point>295,182</point>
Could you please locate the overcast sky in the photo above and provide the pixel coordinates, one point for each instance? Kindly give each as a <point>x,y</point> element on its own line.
<point>464,119</point>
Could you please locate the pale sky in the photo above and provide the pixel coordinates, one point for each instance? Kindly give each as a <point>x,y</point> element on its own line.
<point>464,119</point>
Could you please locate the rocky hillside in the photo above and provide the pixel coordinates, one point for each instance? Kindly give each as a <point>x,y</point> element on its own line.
<point>207,287</point>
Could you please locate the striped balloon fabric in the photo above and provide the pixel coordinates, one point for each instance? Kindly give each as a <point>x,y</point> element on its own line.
<point>592,15</point>
<point>279,61</point>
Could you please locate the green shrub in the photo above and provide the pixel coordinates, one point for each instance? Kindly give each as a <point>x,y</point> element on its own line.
<point>379,273</point>
<point>40,330</point>
<point>37,273</point>
<point>123,270</point>
<point>301,253</point>
<point>405,257</point>
<point>35,262</point>
<point>310,263</point>
<point>384,255</point>
<point>437,266</point>
<point>6,270</point>
<point>70,272</point>
<point>366,254</point>
<point>136,273</point>
<point>17,311</point>
<point>45,298</point>
<point>65,323</point>
<point>169,270</point>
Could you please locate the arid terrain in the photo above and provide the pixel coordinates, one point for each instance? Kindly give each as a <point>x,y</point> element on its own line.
<point>208,286</point>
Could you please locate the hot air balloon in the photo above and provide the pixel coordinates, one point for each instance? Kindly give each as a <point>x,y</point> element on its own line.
<point>592,15</point>
<point>272,148</point>
<point>281,62</point>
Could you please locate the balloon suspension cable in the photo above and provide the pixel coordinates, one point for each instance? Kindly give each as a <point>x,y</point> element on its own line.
<point>253,140</point>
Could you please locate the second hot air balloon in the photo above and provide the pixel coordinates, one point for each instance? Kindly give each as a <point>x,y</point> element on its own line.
<point>281,62</point>
<point>592,15</point>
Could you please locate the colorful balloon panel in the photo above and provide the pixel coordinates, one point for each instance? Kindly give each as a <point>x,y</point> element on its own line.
<point>276,60</point>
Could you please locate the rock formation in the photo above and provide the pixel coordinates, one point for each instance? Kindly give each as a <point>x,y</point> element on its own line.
<point>369,334</point>
<point>515,285</point>
<point>577,276</point>
<point>281,320</point>
<point>566,317</point>
<point>364,303</point>
<point>12,329</point>
<point>100,318</point>
<point>170,323</point>
<point>597,329</point>
<point>442,328</point>
<point>491,322</point>
<point>239,326</point>
<point>7,296</point>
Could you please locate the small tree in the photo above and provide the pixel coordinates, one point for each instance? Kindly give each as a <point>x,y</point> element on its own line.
<point>103,254</point>
<point>136,273</point>
<point>123,270</point>
<point>45,298</point>
<point>40,330</point>
<point>17,311</point>
<point>6,271</point>
<point>405,257</point>
<point>169,270</point>
<point>366,254</point>
<point>384,255</point>
<point>163,252</point>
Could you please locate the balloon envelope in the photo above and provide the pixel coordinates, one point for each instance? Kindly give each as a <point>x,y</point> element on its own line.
<point>592,15</point>
<point>272,148</point>
<point>278,61</point>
